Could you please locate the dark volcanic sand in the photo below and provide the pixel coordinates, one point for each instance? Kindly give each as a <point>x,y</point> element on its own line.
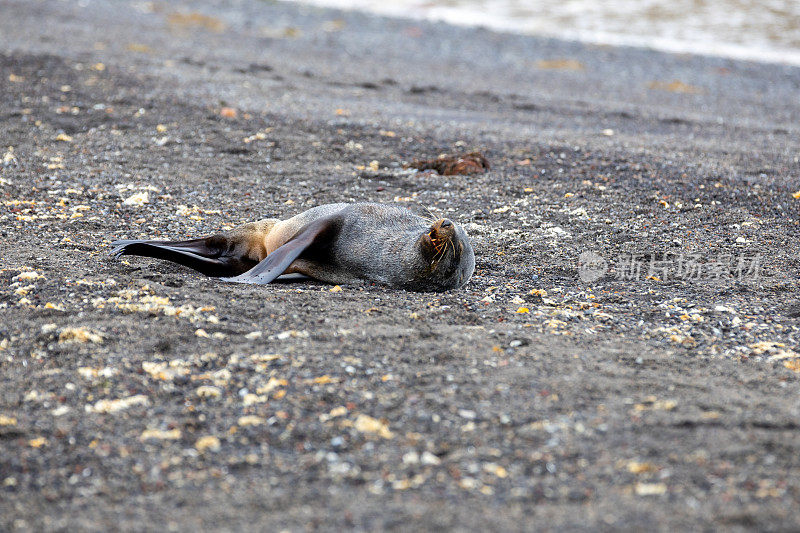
<point>617,404</point>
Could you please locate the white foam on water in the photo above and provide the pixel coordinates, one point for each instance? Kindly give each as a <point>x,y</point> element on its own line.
<point>765,31</point>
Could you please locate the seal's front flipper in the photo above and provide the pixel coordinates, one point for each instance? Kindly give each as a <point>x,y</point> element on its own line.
<point>312,240</point>
<point>213,256</point>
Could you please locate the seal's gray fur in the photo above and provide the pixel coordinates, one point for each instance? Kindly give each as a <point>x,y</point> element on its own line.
<point>336,243</point>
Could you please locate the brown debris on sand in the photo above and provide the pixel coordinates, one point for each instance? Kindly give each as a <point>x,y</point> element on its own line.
<point>452,165</point>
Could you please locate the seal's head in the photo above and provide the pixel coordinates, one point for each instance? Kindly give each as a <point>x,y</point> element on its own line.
<point>448,256</point>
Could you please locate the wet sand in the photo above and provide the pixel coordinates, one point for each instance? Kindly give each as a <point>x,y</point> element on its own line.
<point>139,395</point>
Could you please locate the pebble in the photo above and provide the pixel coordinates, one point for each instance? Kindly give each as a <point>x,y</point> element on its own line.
<point>208,443</point>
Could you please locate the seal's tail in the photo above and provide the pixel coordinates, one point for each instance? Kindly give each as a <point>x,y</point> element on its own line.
<point>217,256</point>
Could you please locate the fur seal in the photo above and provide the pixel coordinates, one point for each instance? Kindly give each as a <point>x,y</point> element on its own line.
<point>334,243</point>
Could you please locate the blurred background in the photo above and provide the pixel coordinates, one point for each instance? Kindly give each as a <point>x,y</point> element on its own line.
<point>760,30</point>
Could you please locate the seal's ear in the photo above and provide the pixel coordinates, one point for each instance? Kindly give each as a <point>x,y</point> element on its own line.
<point>314,237</point>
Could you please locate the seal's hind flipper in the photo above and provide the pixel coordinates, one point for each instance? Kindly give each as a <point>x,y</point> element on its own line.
<point>315,237</point>
<point>212,256</point>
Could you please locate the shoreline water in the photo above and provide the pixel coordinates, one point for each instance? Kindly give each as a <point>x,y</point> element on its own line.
<point>704,41</point>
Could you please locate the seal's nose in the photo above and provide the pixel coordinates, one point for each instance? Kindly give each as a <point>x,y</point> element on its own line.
<point>445,223</point>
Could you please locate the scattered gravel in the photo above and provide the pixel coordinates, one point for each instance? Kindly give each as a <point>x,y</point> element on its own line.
<point>626,356</point>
